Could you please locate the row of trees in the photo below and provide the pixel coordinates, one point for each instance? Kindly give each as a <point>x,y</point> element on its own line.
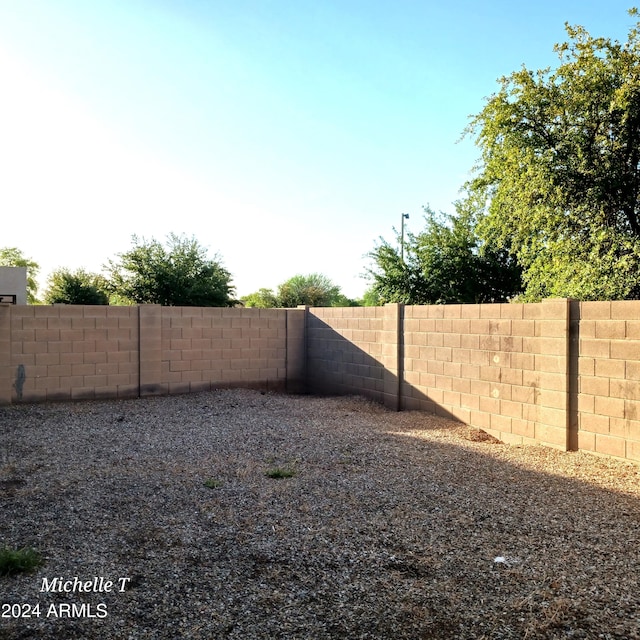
<point>178,273</point>
<point>172,274</point>
<point>553,208</point>
<point>315,290</point>
<point>441,264</point>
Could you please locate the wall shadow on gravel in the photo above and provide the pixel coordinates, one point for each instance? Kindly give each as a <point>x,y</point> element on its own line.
<point>536,553</point>
<point>567,549</point>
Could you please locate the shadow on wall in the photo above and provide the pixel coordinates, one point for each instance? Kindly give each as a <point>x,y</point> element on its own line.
<point>500,368</point>
<point>18,384</point>
<point>336,365</point>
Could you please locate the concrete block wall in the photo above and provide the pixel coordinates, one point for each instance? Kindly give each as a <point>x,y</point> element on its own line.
<point>6,369</point>
<point>499,367</point>
<point>561,373</point>
<point>608,402</point>
<point>202,348</point>
<point>296,364</point>
<point>70,352</point>
<point>346,350</point>
<point>67,352</point>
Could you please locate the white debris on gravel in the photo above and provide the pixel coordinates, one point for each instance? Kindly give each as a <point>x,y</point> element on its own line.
<point>509,561</point>
<point>386,525</point>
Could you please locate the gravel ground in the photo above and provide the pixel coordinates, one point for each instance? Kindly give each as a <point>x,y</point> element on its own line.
<point>393,525</point>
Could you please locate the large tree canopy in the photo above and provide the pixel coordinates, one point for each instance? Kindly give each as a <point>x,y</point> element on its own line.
<point>178,274</point>
<point>75,287</point>
<point>314,289</point>
<point>560,169</point>
<point>443,264</point>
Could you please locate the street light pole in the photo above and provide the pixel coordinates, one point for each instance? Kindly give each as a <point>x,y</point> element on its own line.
<point>404,215</point>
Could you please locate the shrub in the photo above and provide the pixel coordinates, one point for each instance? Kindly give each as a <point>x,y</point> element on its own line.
<point>278,473</point>
<point>14,561</point>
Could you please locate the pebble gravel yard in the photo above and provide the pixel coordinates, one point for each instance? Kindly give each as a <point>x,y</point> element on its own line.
<point>237,514</point>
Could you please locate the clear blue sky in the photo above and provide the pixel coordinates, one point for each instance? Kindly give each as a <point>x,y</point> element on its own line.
<point>285,135</point>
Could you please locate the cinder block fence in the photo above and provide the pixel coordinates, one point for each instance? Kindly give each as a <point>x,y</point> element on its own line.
<point>561,373</point>
<point>73,352</point>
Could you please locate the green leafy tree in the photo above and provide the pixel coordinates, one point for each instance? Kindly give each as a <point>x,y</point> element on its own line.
<point>444,263</point>
<point>13,257</point>
<point>560,169</point>
<point>371,298</point>
<point>261,299</point>
<point>76,287</point>
<point>315,290</point>
<point>176,274</point>
<point>343,301</point>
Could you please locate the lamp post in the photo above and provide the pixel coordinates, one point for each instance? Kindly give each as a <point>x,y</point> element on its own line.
<point>404,215</point>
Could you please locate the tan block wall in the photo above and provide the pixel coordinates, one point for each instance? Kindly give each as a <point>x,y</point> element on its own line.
<point>296,326</point>
<point>72,352</point>
<point>66,352</point>
<point>608,402</point>
<point>502,367</point>
<point>499,367</point>
<point>559,373</point>
<point>347,349</point>
<point>204,348</point>
<point>6,370</point>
